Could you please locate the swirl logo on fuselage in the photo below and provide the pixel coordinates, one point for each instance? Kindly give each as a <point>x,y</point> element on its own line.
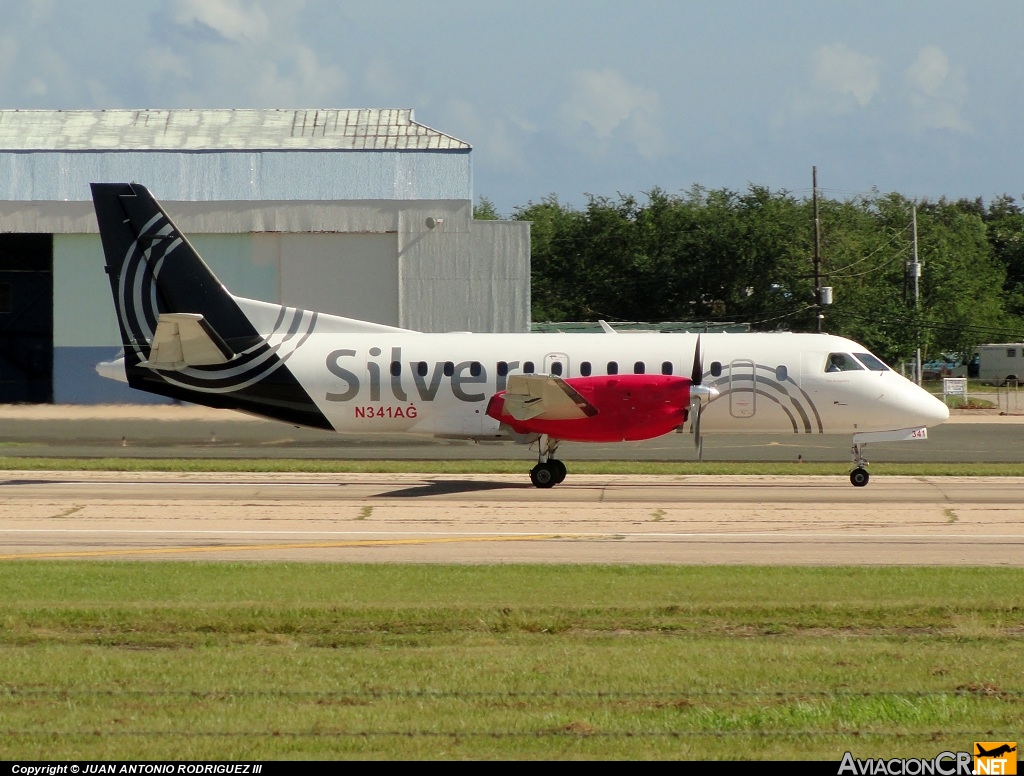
<point>139,308</point>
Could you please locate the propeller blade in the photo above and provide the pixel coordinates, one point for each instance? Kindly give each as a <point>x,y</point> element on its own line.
<point>697,407</point>
<point>695,404</point>
<point>699,396</point>
<point>698,365</point>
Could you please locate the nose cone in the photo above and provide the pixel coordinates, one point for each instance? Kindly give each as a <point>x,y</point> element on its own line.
<point>900,404</point>
<point>935,411</point>
<point>922,408</point>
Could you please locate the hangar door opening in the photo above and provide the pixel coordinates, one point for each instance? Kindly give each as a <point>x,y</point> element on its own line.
<point>26,318</point>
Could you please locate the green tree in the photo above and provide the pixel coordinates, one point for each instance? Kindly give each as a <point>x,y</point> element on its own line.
<point>1005,228</point>
<point>485,211</point>
<point>747,256</point>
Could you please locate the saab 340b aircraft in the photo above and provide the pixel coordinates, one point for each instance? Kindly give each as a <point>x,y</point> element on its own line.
<point>187,337</point>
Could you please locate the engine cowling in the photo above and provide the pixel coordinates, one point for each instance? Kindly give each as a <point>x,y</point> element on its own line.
<point>618,408</point>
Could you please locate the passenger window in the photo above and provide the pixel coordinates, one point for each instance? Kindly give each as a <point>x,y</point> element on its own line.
<point>639,368</point>
<point>396,368</point>
<point>556,368</point>
<point>613,368</point>
<point>666,367</point>
<point>421,368</point>
<point>528,367</point>
<point>1011,352</point>
<point>842,362</point>
<point>475,369</point>
<point>449,368</point>
<point>716,368</point>
<point>502,368</point>
<point>781,373</point>
<point>585,368</point>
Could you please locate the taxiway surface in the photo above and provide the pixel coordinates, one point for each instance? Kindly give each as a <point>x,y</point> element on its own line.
<point>501,518</point>
<point>187,431</point>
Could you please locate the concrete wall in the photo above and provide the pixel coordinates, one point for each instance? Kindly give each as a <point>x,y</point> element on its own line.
<point>471,276</point>
<point>353,275</point>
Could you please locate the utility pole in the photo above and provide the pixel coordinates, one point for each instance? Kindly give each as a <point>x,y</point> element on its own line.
<point>915,274</point>
<point>817,250</point>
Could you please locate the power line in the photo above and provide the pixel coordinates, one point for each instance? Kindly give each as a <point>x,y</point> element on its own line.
<point>935,325</point>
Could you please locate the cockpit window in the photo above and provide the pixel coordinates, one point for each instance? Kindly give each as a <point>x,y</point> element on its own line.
<point>871,362</point>
<point>841,362</point>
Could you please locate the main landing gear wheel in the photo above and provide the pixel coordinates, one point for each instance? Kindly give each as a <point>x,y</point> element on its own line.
<point>559,469</point>
<point>544,475</point>
<point>549,471</point>
<point>859,477</point>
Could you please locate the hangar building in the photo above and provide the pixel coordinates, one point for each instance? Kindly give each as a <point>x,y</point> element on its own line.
<point>361,213</point>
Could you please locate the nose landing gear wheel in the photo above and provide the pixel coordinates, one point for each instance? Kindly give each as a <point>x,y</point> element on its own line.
<point>859,476</point>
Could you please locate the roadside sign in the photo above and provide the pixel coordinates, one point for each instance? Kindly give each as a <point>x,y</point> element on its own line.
<point>954,386</point>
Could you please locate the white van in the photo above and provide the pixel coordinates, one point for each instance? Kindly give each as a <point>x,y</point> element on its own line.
<point>1001,363</point>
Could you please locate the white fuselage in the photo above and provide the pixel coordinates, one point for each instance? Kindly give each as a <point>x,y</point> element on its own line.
<point>440,384</point>
<point>369,378</point>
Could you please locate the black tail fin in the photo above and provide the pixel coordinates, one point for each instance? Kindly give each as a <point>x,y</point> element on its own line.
<point>154,271</point>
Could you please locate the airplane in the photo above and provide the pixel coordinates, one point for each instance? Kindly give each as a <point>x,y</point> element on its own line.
<point>187,337</point>
<point>997,752</point>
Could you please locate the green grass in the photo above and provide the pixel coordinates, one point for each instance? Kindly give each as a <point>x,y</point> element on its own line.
<point>252,661</point>
<point>12,463</point>
<point>969,403</point>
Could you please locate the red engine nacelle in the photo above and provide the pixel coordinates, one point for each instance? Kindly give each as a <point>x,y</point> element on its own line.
<point>628,408</point>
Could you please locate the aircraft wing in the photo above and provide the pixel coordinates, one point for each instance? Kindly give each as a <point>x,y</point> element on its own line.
<point>185,339</point>
<point>545,396</point>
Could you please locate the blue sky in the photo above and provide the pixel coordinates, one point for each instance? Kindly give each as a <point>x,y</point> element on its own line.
<point>569,98</point>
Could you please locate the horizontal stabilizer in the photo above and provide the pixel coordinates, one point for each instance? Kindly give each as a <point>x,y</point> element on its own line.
<point>183,340</point>
<point>547,397</point>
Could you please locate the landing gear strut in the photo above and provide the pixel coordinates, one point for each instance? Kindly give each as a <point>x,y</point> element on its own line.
<point>859,476</point>
<point>548,472</point>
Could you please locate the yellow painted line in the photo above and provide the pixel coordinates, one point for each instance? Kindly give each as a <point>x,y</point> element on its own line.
<point>296,546</point>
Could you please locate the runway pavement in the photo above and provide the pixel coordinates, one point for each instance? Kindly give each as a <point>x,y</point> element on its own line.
<point>197,432</point>
<point>496,518</point>
<point>493,518</point>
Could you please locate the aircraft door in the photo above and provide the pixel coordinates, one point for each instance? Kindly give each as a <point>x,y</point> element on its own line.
<point>556,364</point>
<point>812,371</point>
<point>742,393</point>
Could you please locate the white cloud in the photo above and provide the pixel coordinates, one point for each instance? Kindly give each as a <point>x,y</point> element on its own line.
<point>36,87</point>
<point>255,57</point>
<point>498,139</point>
<point>602,107</point>
<point>41,11</point>
<point>297,79</point>
<point>230,19</point>
<point>8,53</point>
<point>937,92</point>
<point>842,72</point>
<point>929,71</point>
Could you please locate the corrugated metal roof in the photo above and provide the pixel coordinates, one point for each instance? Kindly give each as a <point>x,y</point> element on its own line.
<point>219,130</point>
